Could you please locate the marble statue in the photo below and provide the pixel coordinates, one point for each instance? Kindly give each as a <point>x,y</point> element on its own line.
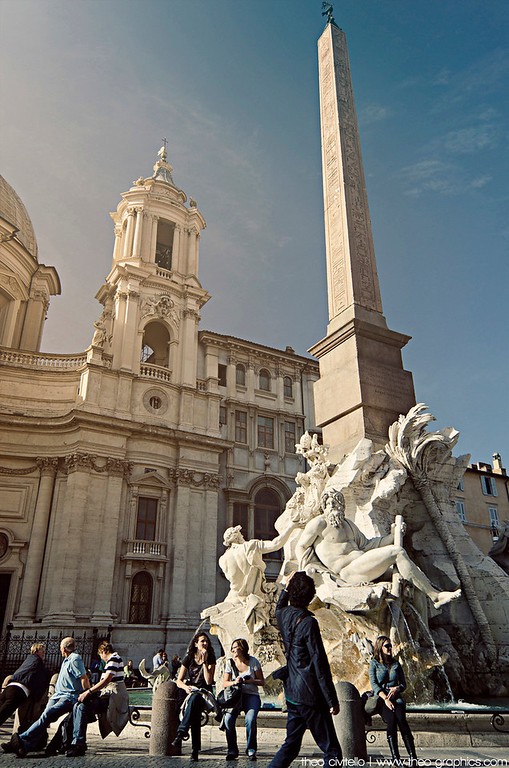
<point>100,334</point>
<point>368,583</point>
<point>333,546</point>
<point>243,566</point>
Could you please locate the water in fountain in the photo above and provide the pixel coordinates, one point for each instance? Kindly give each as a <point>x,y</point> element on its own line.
<point>408,648</point>
<point>438,660</point>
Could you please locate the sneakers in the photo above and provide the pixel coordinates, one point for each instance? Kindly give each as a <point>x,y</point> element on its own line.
<point>232,755</point>
<point>177,741</point>
<point>194,755</point>
<point>251,755</point>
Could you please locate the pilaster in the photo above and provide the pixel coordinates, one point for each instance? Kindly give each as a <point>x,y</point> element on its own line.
<point>33,568</point>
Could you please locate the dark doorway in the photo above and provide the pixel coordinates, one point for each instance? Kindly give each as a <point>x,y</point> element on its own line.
<point>5,585</point>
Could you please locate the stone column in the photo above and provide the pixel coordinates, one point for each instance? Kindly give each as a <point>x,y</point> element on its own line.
<point>153,238</point>
<point>130,334</point>
<point>137,233</point>
<point>176,254</point>
<point>38,534</point>
<point>117,248</point>
<point>128,237</point>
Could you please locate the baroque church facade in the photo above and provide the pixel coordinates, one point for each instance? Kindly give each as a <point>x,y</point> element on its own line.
<point>122,466</point>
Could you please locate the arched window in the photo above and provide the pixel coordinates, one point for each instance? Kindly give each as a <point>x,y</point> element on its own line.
<point>156,344</point>
<point>141,599</point>
<point>264,380</point>
<point>240,375</point>
<point>267,508</point>
<point>288,386</point>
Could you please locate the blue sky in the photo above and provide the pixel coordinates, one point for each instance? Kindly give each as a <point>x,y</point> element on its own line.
<point>89,88</point>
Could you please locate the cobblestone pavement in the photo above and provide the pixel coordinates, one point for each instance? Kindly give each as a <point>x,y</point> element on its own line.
<point>130,750</point>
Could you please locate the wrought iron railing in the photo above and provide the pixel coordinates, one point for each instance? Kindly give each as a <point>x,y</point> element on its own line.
<point>15,646</point>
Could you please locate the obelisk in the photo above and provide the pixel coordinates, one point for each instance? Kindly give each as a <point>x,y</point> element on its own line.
<point>363,387</point>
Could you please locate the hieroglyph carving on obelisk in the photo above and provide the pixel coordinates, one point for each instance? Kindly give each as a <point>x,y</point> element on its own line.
<point>351,267</point>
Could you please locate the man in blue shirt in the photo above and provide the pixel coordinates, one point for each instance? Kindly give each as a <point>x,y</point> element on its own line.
<point>72,680</point>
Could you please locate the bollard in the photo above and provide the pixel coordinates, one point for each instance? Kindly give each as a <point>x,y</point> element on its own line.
<point>349,724</point>
<point>164,720</point>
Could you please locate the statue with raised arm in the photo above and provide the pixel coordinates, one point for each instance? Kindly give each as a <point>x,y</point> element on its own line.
<point>333,546</point>
<point>243,566</point>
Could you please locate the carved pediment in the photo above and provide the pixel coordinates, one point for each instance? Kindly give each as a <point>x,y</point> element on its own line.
<point>152,478</point>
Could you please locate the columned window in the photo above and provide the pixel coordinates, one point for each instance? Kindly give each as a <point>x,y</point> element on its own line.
<point>146,520</point>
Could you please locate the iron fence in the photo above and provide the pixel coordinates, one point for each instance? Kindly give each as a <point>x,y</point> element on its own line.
<point>15,647</point>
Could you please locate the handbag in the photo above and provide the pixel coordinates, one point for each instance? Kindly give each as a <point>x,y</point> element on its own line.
<point>371,703</point>
<point>229,697</point>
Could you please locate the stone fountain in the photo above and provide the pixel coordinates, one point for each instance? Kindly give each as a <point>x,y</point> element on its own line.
<point>444,603</point>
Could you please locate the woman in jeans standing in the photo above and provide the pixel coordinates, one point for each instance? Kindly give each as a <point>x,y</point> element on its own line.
<point>246,670</point>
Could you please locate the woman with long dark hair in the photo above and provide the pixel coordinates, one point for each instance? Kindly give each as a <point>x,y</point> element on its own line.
<point>245,670</point>
<point>388,683</point>
<point>196,671</point>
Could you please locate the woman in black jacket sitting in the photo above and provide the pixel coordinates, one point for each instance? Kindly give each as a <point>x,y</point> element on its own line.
<point>30,680</point>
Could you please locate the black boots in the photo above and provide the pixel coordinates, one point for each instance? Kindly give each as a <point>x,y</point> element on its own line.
<point>408,740</point>
<point>393,746</point>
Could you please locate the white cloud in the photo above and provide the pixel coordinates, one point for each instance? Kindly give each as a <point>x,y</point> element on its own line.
<point>373,113</point>
<point>468,140</point>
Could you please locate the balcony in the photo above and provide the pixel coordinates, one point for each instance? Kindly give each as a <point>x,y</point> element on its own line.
<point>155,372</point>
<point>139,549</point>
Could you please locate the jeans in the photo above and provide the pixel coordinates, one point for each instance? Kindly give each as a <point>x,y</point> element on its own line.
<point>57,706</point>
<point>250,704</point>
<point>192,720</point>
<point>320,723</point>
<point>84,713</point>
<point>393,718</point>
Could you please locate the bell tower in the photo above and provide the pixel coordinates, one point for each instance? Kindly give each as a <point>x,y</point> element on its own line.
<point>152,296</point>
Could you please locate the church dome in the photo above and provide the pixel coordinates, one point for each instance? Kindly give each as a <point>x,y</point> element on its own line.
<point>15,213</point>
